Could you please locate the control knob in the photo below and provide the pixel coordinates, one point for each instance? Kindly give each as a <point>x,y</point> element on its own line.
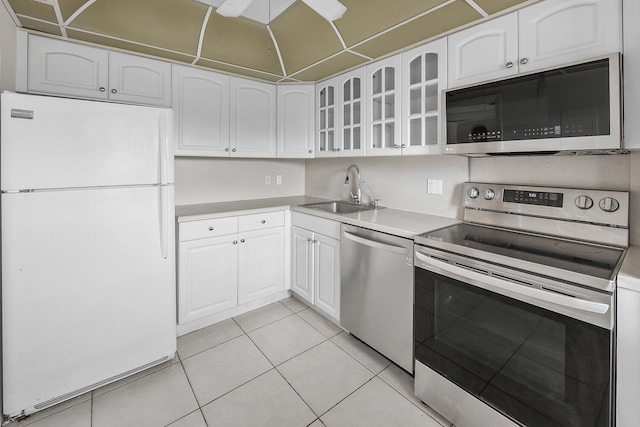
<point>609,204</point>
<point>489,194</point>
<point>584,202</point>
<point>473,193</point>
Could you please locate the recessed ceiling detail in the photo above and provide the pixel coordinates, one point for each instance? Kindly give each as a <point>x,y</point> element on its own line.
<point>288,42</point>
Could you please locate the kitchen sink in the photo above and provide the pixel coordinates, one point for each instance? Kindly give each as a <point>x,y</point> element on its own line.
<point>339,207</point>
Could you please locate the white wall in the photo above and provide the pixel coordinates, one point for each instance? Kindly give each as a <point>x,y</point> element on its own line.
<point>399,182</point>
<point>7,51</point>
<point>634,211</point>
<point>203,180</point>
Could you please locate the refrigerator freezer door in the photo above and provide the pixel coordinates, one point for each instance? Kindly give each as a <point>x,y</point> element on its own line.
<point>87,292</point>
<point>52,142</point>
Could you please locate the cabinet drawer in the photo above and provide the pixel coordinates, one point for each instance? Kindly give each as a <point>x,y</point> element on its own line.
<point>207,228</point>
<point>319,225</point>
<point>259,221</point>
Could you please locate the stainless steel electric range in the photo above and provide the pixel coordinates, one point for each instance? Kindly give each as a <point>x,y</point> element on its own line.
<point>514,308</point>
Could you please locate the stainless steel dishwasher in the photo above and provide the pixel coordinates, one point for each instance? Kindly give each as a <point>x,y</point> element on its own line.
<point>376,271</point>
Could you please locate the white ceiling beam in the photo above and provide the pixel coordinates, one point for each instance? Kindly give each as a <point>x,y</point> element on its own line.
<point>330,10</point>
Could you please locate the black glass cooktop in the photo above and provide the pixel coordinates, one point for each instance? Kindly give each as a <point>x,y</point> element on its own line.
<point>584,258</point>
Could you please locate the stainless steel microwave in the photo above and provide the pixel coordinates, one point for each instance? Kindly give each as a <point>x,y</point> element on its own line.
<point>576,108</point>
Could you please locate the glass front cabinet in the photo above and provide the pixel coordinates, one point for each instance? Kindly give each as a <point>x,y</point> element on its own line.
<point>424,76</point>
<point>326,141</point>
<point>383,117</point>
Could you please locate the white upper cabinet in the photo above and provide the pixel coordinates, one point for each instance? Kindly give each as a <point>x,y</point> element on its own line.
<point>252,118</point>
<point>554,32</point>
<point>351,131</point>
<point>383,108</point>
<point>631,60</point>
<point>135,79</point>
<point>424,75</point>
<point>326,140</point>
<point>201,112</point>
<point>75,70</point>
<point>483,52</point>
<point>546,34</point>
<point>296,121</point>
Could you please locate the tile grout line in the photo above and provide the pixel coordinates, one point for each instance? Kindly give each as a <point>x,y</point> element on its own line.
<point>193,392</point>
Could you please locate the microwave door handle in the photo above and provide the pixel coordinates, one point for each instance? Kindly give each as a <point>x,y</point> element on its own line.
<point>502,285</point>
<point>374,244</point>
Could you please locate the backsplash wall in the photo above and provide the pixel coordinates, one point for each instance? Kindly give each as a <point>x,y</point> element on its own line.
<point>208,180</point>
<point>399,182</point>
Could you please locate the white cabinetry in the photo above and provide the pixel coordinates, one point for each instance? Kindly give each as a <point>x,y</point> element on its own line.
<point>351,130</point>
<point>315,247</point>
<point>226,262</point>
<point>628,348</point>
<point>424,75</point>
<point>252,118</point>
<point>631,66</point>
<point>383,109</point>
<point>546,34</point>
<point>326,140</point>
<point>75,70</point>
<point>296,121</point>
<point>201,112</point>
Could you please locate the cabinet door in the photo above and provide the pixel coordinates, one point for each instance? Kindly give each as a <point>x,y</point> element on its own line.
<point>424,76</point>
<point>201,109</point>
<point>631,60</point>
<point>383,97</point>
<point>327,275</point>
<point>351,113</point>
<point>484,52</point>
<point>296,121</point>
<point>326,139</point>
<point>260,263</point>
<point>139,80</point>
<point>302,263</point>
<point>207,277</point>
<point>556,32</point>
<point>253,118</point>
<point>69,69</point>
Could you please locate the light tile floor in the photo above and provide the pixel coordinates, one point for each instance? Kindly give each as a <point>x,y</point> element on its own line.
<point>280,365</point>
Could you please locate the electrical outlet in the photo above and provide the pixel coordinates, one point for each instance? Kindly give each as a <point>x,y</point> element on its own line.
<point>267,179</point>
<point>278,179</point>
<point>434,186</point>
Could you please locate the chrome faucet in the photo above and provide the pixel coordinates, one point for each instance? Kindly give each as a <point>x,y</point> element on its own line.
<point>356,198</point>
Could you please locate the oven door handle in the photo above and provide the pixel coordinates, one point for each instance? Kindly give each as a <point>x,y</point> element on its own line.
<point>520,289</point>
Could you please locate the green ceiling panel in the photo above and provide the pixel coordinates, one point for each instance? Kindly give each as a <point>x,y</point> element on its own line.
<point>442,20</point>
<point>34,9</point>
<point>335,65</point>
<point>235,70</point>
<point>132,47</point>
<point>44,27</point>
<point>494,6</point>
<point>171,24</point>
<point>69,7</point>
<point>303,38</point>
<point>364,19</point>
<point>241,42</point>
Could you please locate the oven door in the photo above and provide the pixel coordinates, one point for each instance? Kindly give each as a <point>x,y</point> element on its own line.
<point>538,352</point>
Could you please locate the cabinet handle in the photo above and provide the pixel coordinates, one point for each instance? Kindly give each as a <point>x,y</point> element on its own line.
<point>211,228</point>
<point>241,240</point>
<point>314,241</point>
<point>509,64</point>
<point>114,91</point>
<point>403,146</point>
<point>102,89</point>
<point>524,61</point>
<point>235,242</point>
<point>263,221</point>
<point>310,151</point>
<point>234,150</point>
<point>226,149</point>
<point>396,146</point>
<point>309,239</point>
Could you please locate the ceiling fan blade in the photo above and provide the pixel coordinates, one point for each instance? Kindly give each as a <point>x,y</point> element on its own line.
<point>233,8</point>
<point>328,9</point>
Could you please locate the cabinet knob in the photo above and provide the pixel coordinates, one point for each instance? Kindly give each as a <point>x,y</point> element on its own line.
<point>314,241</point>
<point>235,242</point>
<point>263,221</point>
<point>524,61</point>
<point>403,146</point>
<point>114,91</point>
<point>509,64</point>
<point>233,149</point>
<point>310,151</point>
<point>309,239</point>
<point>211,228</point>
<point>241,240</point>
<point>396,146</point>
<point>102,89</point>
<point>226,149</point>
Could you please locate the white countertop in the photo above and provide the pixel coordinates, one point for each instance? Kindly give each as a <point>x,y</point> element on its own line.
<point>393,221</point>
<point>629,275</point>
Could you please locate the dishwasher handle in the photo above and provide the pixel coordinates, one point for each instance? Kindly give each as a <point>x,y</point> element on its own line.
<point>375,244</point>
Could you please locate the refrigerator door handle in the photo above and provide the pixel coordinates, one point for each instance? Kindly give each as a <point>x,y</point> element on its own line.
<point>164,149</point>
<point>164,220</point>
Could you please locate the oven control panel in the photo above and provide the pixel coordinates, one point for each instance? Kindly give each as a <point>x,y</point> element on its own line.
<point>583,205</point>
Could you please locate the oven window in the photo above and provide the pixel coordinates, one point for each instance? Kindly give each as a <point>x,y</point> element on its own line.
<point>538,367</point>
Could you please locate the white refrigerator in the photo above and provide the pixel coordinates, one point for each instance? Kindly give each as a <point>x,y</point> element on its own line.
<point>88,246</point>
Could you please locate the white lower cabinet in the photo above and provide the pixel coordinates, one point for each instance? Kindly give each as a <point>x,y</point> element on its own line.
<point>315,249</point>
<point>226,262</point>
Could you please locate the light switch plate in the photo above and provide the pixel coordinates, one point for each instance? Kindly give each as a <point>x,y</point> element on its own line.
<point>278,179</point>
<point>434,186</point>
